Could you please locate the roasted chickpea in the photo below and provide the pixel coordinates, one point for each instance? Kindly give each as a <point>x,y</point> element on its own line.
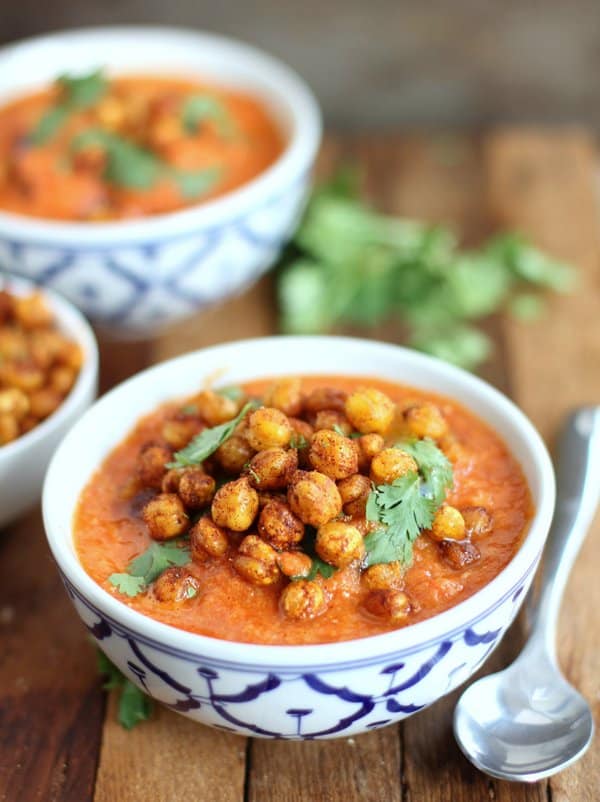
<point>426,420</point>
<point>9,429</point>
<point>24,376</point>
<point>272,468</point>
<point>178,433</point>
<point>369,445</point>
<point>451,447</point>
<point>314,497</point>
<point>45,347</point>
<point>207,540</point>
<point>256,561</point>
<point>151,464</point>
<point>279,526</point>
<point>339,543</point>
<point>478,521</point>
<point>14,402</point>
<point>32,311</point>
<point>394,605</point>
<point>234,454</point>
<point>369,410</point>
<point>62,379</point>
<point>196,488</point>
<point>235,505</point>
<point>43,402</point>
<point>176,585</point>
<point>285,395</point>
<point>448,524</point>
<point>165,516</point>
<point>354,491</point>
<point>384,576</point>
<point>13,344</point>
<point>459,554</point>
<point>215,408</point>
<point>294,563</point>
<point>170,481</point>
<point>390,464</point>
<point>325,398</point>
<point>333,454</point>
<point>302,432</point>
<point>268,428</point>
<point>332,419</point>
<point>303,599</point>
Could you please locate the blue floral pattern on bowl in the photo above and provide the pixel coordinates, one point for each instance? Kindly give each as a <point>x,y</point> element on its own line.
<point>303,702</point>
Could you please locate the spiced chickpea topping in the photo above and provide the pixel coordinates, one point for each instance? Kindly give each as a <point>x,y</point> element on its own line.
<point>176,585</point>
<point>339,543</point>
<point>279,526</point>
<point>384,576</point>
<point>268,428</point>
<point>286,396</point>
<point>392,605</point>
<point>448,524</point>
<point>235,505</point>
<point>354,492</point>
<point>426,420</point>
<point>370,411</point>
<point>256,561</point>
<point>303,599</point>
<point>214,408</point>
<point>196,489</point>
<point>272,468</point>
<point>165,516</point>
<point>234,454</point>
<point>314,497</point>
<point>152,464</point>
<point>207,540</point>
<point>390,464</point>
<point>333,454</point>
<point>478,521</point>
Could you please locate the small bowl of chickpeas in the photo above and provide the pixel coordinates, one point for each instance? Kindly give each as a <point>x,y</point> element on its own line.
<point>48,377</point>
<point>299,537</point>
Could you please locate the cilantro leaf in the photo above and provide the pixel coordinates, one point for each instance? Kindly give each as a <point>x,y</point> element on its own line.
<point>350,265</point>
<point>192,183</point>
<point>298,441</point>
<point>133,705</point>
<point>207,442</point>
<point>198,108</point>
<point>434,467</point>
<point>408,505</point>
<point>318,566</point>
<point>77,93</point>
<point>148,566</point>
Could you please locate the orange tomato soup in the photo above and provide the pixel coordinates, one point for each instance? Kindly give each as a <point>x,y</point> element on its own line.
<point>93,149</point>
<point>109,532</point>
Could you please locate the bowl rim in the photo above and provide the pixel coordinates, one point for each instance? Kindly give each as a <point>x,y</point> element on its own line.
<point>292,94</point>
<point>74,324</point>
<point>431,631</point>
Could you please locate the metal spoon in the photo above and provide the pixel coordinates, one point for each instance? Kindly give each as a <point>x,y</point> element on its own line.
<point>527,722</point>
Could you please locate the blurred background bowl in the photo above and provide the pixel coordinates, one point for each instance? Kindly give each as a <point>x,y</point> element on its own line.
<point>23,462</point>
<point>133,277</point>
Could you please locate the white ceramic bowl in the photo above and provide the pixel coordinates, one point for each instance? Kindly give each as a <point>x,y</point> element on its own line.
<point>315,691</point>
<point>23,462</point>
<point>133,277</point>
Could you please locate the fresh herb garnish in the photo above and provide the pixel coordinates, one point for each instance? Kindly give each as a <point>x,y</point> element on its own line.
<point>298,441</point>
<point>198,108</point>
<point>207,442</point>
<point>338,429</point>
<point>408,505</point>
<point>133,705</point>
<point>131,166</point>
<point>234,393</point>
<point>76,93</point>
<point>350,265</point>
<point>149,565</point>
<point>318,566</point>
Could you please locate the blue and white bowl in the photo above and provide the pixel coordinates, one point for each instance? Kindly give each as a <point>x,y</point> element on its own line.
<point>317,691</point>
<point>133,277</point>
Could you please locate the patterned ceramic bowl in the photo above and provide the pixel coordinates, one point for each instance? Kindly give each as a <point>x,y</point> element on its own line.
<point>132,277</point>
<point>317,691</point>
<point>23,462</point>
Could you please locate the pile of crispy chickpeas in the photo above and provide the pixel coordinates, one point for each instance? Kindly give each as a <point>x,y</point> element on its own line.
<point>38,364</point>
<point>299,466</point>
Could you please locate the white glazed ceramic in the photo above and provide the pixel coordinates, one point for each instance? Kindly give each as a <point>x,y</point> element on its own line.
<point>23,462</point>
<point>134,276</point>
<point>295,691</point>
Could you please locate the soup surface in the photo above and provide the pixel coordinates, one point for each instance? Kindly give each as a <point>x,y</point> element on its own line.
<point>91,148</point>
<point>334,508</point>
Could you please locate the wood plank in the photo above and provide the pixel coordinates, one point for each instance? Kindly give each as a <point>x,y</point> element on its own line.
<point>544,184</point>
<point>51,706</point>
<point>168,759</point>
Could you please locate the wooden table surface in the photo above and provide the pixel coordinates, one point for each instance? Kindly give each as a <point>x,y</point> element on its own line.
<point>58,736</point>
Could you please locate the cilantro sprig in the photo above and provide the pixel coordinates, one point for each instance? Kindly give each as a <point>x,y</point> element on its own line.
<point>207,442</point>
<point>318,565</point>
<point>76,93</point>
<point>148,566</point>
<point>132,166</point>
<point>350,265</point>
<point>407,506</point>
<point>198,108</point>
<point>133,704</point>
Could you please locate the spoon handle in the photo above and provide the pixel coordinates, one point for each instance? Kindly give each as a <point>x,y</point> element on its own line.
<point>578,494</point>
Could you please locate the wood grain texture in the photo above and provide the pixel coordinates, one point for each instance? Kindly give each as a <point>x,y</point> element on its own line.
<point>544,185</point>
<point>169,759</point>
<point>51,706</point>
